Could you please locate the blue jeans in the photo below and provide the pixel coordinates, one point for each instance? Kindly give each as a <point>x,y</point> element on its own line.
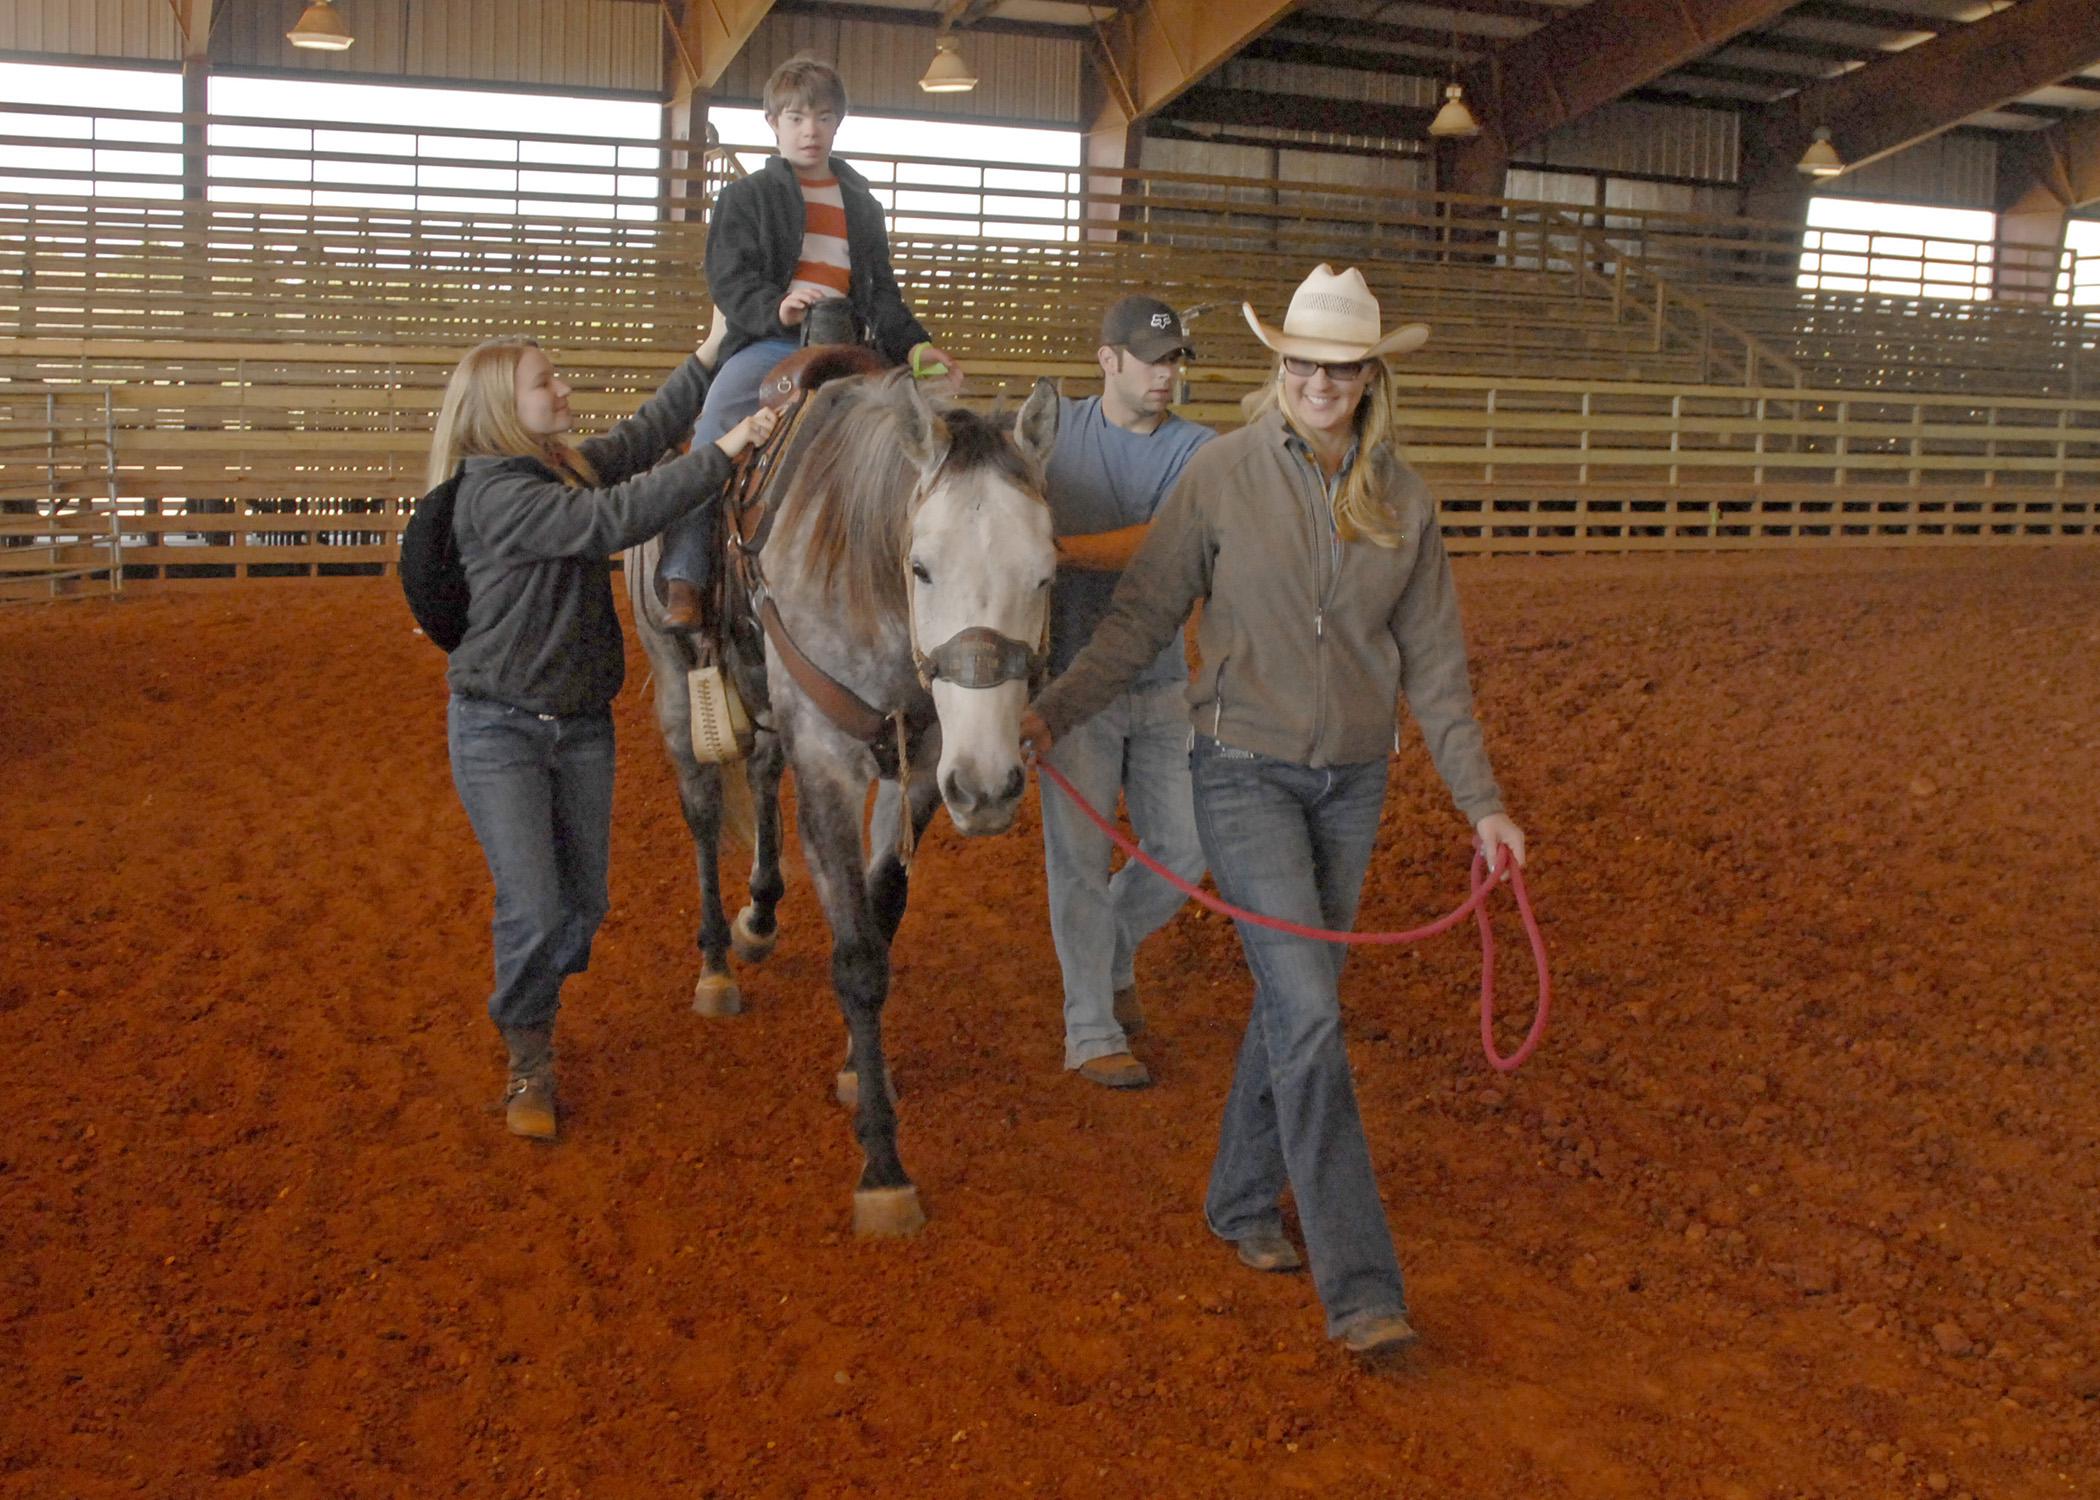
<point>1139,743</point>
<point>732,397</point>
<point>538,790</point>
<point>1292,841</point>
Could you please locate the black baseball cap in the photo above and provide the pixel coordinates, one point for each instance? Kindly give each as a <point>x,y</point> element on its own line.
<point>1148,328</point>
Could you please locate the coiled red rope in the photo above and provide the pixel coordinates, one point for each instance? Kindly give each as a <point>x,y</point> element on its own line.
<point>1483,884</point>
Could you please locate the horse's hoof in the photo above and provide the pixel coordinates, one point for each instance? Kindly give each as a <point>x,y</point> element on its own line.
<point>717,995</point>
<point>847,1088</point>
<point>748,945</point>
<point>892,1213</point>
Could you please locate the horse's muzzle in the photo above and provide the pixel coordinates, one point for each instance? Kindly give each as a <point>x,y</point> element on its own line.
<point>976,810</point>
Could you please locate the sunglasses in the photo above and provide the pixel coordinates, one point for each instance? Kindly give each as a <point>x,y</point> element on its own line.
<point>1337,369</point>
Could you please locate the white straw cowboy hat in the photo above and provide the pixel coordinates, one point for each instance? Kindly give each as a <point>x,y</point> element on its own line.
<point>1333,316</point>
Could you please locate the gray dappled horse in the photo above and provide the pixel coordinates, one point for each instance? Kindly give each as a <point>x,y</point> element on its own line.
<point>909,562</point>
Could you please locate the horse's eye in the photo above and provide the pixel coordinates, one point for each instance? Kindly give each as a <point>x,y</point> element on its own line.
<point>918,571</point>
<point>1043,585</point>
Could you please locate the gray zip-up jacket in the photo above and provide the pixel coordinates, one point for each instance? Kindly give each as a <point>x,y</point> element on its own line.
<point>1307,642</point>
<point>541,632</point>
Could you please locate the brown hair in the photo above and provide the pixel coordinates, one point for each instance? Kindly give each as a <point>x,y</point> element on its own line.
<point>806,82</point>
<point>479,416</point>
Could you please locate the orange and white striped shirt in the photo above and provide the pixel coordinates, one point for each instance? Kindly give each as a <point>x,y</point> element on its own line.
<point>825,264</point>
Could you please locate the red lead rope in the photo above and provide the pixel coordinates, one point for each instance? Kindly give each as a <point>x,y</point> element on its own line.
<point>1483,886</point>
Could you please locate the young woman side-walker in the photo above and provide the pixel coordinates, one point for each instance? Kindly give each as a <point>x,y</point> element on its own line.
<point>529,723</point>
<point>1327,596</point>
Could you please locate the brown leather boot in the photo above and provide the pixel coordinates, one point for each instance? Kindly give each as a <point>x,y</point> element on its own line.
<point>1118,1070</point>
<point>681,606</point>
<point>528,1098</point>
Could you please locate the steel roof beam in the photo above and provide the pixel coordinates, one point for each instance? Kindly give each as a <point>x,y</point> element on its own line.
<point>707,35</point>
<point>1154,55</point>
<point>1910,96</point>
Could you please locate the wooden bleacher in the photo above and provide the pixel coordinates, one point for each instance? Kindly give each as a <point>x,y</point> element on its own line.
<point>273,373</point>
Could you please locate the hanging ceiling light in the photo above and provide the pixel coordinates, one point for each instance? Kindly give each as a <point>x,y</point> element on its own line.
<point>1454,121</point>
<point>1821,158</point>
<point>321,28</point>
<point>947,73</point>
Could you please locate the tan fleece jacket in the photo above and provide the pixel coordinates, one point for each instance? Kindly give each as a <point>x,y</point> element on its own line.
<point>1307,642</point>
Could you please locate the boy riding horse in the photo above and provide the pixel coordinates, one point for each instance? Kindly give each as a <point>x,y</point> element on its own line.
<point>801,232</point>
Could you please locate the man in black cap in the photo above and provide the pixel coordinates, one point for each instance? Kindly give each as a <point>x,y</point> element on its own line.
<point>1117,455</point>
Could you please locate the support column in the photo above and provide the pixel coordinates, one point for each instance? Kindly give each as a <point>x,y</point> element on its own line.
<point>193,20</point>
<point>1113,146</point>
<point>702,37</point>
<point>685,125</point>
<point>2033,225</point>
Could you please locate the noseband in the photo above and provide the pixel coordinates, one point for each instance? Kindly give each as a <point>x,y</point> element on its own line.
<point>977,657</point>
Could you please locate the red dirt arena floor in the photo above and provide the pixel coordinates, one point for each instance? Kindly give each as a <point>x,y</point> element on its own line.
<point>1802,1197</point>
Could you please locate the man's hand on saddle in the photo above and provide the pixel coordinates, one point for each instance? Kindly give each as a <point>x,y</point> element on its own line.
<point>930,363</point>
<point>795,306</point>
<point>1497,833</point>
<point>755,428</point>
<point>1035,736</point>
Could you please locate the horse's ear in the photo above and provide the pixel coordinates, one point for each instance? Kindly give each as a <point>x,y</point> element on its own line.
<point>1036,429</point>
<point>920,430</point>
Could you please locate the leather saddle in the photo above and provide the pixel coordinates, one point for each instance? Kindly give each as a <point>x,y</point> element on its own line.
<point>746,509</point>
<point>806,369</point>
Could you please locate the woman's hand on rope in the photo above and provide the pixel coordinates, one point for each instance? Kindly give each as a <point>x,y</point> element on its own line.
<point>755,428</point>
<point>1035,736</point>
<point>1496,833</point>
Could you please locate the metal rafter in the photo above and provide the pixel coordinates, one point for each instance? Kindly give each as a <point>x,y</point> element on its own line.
<point>1912,95</point>
<point>708,34</point>
<point>193,18</point>
<point>2056,168</point>
<point>1585,59</point>
<point>1167,46</point>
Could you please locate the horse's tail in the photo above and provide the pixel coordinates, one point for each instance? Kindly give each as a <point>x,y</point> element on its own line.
<point>739,812</point>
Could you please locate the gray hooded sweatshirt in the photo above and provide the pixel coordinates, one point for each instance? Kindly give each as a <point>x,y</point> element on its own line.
<point>541,632</point>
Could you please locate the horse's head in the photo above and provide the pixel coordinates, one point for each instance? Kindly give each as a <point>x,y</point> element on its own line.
<point>980,559</point>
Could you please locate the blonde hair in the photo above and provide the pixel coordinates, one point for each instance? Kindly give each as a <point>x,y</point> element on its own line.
<point>1361,510</point>
<point>805,82</point>
<point>479,417</point>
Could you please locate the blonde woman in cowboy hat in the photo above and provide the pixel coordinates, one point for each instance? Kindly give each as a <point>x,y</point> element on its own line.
<point>1327,597</point>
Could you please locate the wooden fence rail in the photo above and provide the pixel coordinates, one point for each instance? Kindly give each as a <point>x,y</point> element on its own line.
<point>305,463</point>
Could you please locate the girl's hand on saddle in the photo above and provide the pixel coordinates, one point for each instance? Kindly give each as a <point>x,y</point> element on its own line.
<point>929,363</point>
<point>796,304</point>
<point>1497,834</point>
<point>755,428</point>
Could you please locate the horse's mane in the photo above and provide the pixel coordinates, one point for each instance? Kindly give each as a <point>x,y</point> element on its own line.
<point>853,492</point>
